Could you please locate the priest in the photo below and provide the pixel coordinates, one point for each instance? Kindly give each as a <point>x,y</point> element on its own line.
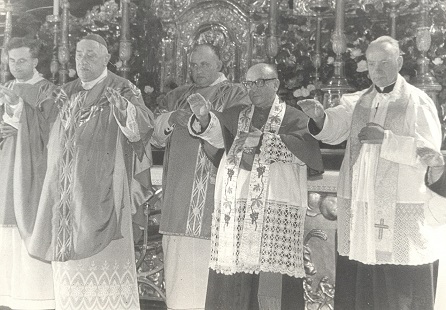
<point>97,173</point>
<point>25,282</point>
<point>388,251</point>
<point>261,193</point>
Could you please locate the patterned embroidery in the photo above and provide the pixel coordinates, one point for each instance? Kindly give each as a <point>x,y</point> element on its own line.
<point>72,117</point>
<point>282,242</point>
<point>108,286</point>
<point>204,172</point>
<point>198,197</point>
<point>247,238</point>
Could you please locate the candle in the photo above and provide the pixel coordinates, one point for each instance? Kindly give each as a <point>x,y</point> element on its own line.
<point>56,7</point>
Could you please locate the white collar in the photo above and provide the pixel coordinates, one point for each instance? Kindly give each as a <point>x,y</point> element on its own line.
<point>37,77</point>
<point>89,85</point>
<point>221,78</point>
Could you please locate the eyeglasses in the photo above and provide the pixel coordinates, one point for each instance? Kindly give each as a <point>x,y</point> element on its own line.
<point>258,83</point>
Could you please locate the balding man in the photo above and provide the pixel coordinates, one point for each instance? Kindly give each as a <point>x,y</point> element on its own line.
<point>385,243</point>
<point>260,195</point>
<point>96,149</point>
<point>189,179</point>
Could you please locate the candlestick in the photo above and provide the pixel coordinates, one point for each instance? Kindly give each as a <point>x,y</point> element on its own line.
<point>55,7</point>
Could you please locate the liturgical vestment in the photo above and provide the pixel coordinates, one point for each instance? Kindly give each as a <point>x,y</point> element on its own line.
<point>188,187</point>
<point>382,198</point>
<point>25,282</point>
<point>97,172</point>
<point>261,194</point>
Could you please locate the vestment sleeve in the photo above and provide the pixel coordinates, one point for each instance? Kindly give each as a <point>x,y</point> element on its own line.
<point>297,139</point>
<point>427,134</point>
<point>338,120</point>
<point>212,133</point>
<point>136,121</point>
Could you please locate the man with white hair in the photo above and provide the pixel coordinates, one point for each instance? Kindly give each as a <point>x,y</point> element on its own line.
<point>387,254</point>
<point>96,163</point>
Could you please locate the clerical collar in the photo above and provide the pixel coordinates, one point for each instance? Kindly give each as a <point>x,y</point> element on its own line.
<point>385,90</point>
<point>221,78</point>
<point>36,78</point>
<point>89,85</point>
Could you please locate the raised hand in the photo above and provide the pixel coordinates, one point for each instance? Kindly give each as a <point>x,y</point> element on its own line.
<point>115,98</point>
<point>7,96</point>
<point>199,105</point>
<point>313,108</point>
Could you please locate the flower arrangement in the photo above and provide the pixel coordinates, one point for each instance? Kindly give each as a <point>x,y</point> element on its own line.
<point>296,57</point>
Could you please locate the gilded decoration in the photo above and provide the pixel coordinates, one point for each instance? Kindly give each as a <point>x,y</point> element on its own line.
<point>221,23</point>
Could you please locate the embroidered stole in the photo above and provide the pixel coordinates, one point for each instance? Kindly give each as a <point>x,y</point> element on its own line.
<point>250,239</point>
<point>204,171</point>
<point>370,220</point>
<point>74,112</point>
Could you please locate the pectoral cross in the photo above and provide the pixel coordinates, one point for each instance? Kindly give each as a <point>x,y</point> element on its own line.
<point>381,228</point>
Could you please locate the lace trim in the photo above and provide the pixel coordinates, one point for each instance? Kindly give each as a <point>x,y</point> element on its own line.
<point>90,286</point>
<point>281,241</point>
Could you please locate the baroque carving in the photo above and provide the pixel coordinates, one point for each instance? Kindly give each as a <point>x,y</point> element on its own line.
<point>225,24</point>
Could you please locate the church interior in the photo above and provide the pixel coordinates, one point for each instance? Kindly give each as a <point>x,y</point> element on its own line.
<point>318,47</point>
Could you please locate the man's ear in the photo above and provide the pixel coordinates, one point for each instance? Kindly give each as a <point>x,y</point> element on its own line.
<point>35,62</point>
<point>219,65</point>
<point>400,62</point>
<point>107,59</point>
<point>276,84</point>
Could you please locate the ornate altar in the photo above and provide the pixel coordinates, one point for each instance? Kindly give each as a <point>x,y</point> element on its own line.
<point>226,24</point>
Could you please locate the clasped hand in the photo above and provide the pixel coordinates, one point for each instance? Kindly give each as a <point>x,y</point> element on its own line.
<point>252,138</point>
<point>372,133</point>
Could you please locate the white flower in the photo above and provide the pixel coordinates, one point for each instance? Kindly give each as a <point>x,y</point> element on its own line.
<point>148,89</point>
<point>330,60</point>
<point>118,64</point>
<point>355,52</point>
<point>71,73</point>
<point>437,61</point>
<point>297,93</point>
<point>362,66</point>
<point>305,92</point>
<point>311,87</point>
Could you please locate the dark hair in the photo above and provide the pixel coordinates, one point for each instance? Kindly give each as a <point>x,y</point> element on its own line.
<point>213,48</point>
<point>18,42</point>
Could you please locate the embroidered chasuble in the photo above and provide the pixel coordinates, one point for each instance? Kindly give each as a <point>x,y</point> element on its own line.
<point>25,282</point>
<point>189,174</point>
<point>97,173</point>
<point>381,193</point>
<point>261,194</point>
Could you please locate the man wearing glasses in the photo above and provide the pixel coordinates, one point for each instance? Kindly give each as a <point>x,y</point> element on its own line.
<point>260,195</point>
